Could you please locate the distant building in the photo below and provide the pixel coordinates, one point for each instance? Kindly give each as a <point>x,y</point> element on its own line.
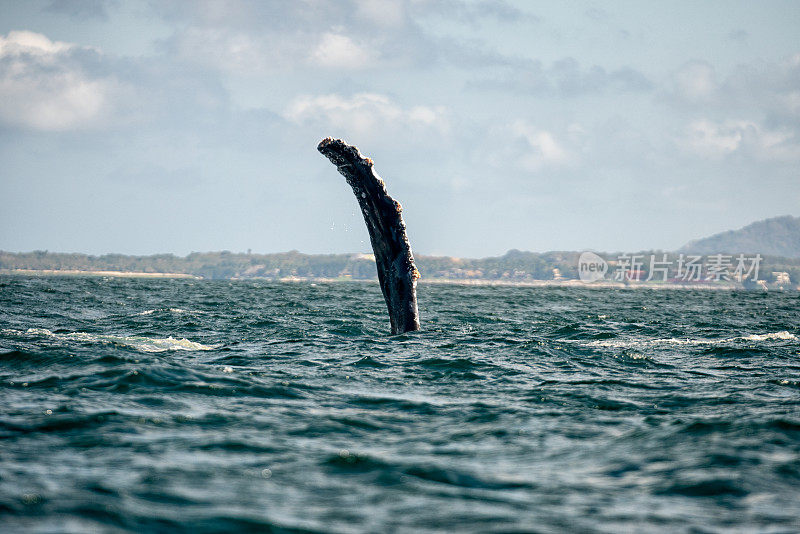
<point>367,257</point>
<point>781,278</point>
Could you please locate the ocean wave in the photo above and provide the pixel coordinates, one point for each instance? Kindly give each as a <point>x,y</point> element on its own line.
<point>177,311</point>
<point>534,417</point>
<point>628,343</point>
<point>19,359</point>
<point>140,343</point>
<point>783,335</point>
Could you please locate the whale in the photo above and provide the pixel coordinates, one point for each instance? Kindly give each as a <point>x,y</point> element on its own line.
<point>397,272</point>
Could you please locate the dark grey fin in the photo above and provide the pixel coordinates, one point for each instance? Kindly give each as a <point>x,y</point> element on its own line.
<point>396,270</point>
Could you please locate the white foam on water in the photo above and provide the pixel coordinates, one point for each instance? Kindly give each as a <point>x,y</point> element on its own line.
<point>141,343</point>
<point>784,335</point>
<point>629,343</point>
<point>171,310</point>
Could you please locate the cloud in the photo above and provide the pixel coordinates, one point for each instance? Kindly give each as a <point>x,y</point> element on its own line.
<point>707,138</point>
<point>544,148</point>
<point>44,87</point>
<point>231,50</point>
<point>695,82</point>
<point>18,43</point>
<point>340,51</point>
<point>500,10</point>
<point>53,86</point>
<point>384,13</point>
<point>474,13</point>
<point>523,146</point>
<point>772,86</point>
<point>81,9</point>
<point>227,43</point>
<point>759,87</point>
<point>256,37</point>
<point>564,78</point>
<point>754,111</point>
<point>571,80</point>
<point>365,113</point>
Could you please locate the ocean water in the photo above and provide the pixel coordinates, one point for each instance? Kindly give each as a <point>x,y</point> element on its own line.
<point>209,406</point>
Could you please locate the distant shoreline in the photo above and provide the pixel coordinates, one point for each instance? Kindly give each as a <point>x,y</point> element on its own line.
<point>514,269</point>
<point>600,284</point>
<point>75,272</point>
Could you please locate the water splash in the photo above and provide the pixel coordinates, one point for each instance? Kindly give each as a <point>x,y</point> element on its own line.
<point>140,343</point>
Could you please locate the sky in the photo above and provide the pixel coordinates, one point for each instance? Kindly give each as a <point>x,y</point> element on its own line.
<point>170,127</point>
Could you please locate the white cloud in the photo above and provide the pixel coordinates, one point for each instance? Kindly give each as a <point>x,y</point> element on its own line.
<point>25,42</point>
<point>790,102</point>
<point>695,81</point>
<point>340,51</point>
<point>365,113</point>
<point>41,88</point>
<point>720,139</point>
<point>707,138</point>
<point>226,49</point>
<point>769,88</point>
<point>246,52</point>
<point>540,149</point>
<point>247,37</point>
<point>765,94</point>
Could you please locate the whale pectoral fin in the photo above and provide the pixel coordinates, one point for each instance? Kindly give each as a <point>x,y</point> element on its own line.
<point>397,272</point>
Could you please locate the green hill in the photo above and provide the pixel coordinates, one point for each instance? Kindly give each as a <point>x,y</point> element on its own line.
<point>779,236</point>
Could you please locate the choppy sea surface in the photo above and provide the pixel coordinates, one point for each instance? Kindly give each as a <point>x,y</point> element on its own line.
<point>209,406</point>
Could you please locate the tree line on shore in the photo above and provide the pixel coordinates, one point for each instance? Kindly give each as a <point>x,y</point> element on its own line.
<point>514,266</point>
